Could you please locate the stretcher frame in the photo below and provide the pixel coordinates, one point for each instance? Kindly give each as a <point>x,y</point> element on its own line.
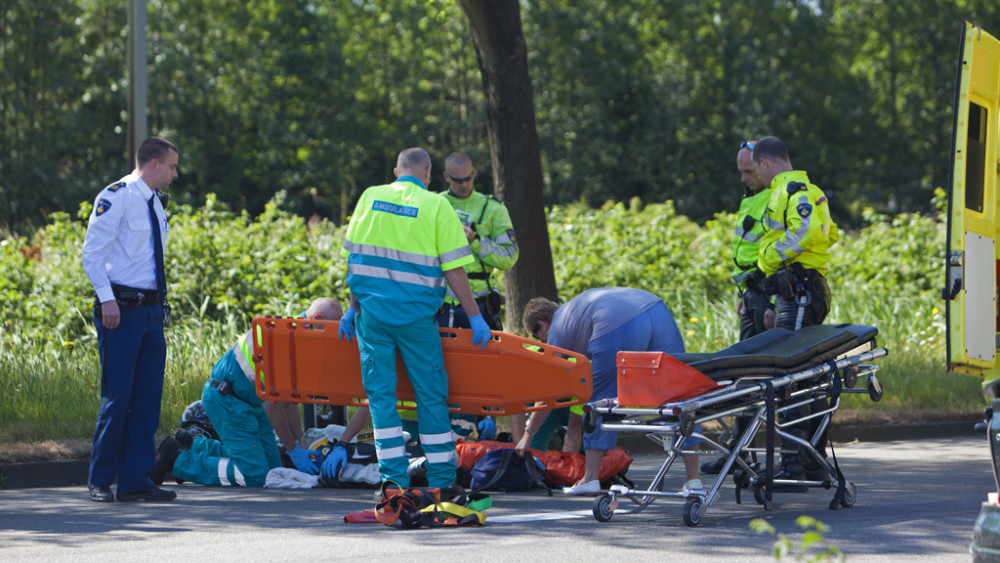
<point>766,400</point>
<point>305,361</point>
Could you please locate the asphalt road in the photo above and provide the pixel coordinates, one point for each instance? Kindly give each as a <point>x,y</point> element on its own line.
<point>916,500</point>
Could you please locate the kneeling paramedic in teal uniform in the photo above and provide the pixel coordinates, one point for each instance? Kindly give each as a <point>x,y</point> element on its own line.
<point>402,245</point>
<point>247,425</point>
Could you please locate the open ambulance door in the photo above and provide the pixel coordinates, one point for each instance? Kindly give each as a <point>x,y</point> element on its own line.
<point>972,267</point>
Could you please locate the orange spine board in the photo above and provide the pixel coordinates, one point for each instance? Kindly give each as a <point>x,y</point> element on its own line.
<point>302,361</point>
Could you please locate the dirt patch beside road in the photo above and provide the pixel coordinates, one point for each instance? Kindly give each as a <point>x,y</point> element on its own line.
<point>47,450</point>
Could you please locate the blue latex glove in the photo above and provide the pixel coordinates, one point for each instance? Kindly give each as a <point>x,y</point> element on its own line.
<point>487,428</point>
<point>347,329</point>
<point>480,331</point>
<point>303,461</point>
<point>335,460</point>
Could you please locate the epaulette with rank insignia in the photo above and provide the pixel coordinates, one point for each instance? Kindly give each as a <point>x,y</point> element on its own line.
<point>115,187</point>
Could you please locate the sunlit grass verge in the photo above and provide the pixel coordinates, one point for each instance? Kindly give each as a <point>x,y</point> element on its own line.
<point>47,391</point>
<point>51,387</point>
<point>51,390</point>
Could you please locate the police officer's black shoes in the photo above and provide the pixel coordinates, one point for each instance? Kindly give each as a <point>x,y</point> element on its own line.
<point>101,493</point>
<point>155,494</point>
<point>816,473</point>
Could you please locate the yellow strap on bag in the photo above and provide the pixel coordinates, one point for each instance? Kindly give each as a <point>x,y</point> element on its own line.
<point>462,514</point>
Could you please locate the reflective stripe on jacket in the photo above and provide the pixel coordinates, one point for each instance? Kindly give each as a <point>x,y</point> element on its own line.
<point>798,226</point>
<point>400,241</point>
<point>746,242</point>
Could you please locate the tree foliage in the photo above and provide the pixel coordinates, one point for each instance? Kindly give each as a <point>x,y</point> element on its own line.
<point>633,98</point>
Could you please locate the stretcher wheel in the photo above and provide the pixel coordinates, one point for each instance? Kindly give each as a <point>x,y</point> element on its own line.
<point>692,512</point>
<point>850,496</point>
<point>874,389</point>
<point>687,425</point>
<point>604,508</point>
<point>589,424</point>
<point>850,376</point>
<point>758,494</point>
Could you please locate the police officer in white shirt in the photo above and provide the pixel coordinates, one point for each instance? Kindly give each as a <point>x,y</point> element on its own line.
<point>125,265</point>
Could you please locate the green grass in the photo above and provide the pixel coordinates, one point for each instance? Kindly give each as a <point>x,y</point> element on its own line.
<point>52,390</point>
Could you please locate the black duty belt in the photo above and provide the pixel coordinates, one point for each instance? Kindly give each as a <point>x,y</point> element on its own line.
<point>447,306</point>
<point>133,296</point>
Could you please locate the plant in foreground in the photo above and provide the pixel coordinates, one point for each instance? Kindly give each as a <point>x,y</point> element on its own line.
<point>812,546</point>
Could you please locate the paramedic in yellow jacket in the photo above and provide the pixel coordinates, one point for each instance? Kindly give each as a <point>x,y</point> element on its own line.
<point>798,232</point>
<point>402,245</point>
<point>755,310</point>
<point>794,254</point>
<point>491,237</point>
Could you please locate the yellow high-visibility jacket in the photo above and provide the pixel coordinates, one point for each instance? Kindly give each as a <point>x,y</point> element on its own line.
<point>798,226</point>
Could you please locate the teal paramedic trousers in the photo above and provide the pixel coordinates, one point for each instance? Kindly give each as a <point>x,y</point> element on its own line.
<point>247,451</point>
<point>420,346</point>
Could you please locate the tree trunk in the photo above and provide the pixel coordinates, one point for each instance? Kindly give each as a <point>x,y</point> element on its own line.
<point>514,153</point>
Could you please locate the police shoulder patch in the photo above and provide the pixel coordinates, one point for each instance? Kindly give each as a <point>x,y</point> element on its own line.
<point>804,209</point>
<point>510,235</point>
<point>115,187</point>
<point>102,206</point>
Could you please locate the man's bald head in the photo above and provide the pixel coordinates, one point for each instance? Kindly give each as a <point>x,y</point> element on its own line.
<point>748,172</point>
<point>325,309</point>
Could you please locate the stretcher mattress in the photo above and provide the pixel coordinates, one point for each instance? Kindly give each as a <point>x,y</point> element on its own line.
<point>779,352</point>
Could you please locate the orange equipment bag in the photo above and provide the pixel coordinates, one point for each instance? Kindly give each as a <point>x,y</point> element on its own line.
<point>561,468</point>
<point>650,379</point>
<point>305,361</point>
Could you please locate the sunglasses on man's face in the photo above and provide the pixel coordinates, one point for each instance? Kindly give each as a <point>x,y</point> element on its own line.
<point>461,180</point>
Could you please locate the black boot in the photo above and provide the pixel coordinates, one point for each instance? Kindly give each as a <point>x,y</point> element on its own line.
<point>166,455</point>
<point>715,466</point>
<point>815,471</point>
<point>792,465</point>
<point>791,470</point>
<point>740,424</point>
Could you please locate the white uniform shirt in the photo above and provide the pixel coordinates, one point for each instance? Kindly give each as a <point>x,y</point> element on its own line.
<point>118,248</point>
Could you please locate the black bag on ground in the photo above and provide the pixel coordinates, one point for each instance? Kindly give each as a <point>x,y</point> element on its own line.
<point>504,470</point>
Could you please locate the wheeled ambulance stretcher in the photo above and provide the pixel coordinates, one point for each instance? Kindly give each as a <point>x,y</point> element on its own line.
<point>772,379</point>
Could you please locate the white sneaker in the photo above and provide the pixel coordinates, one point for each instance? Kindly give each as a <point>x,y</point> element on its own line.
<point>588,488</point>
<point>694,487</point>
